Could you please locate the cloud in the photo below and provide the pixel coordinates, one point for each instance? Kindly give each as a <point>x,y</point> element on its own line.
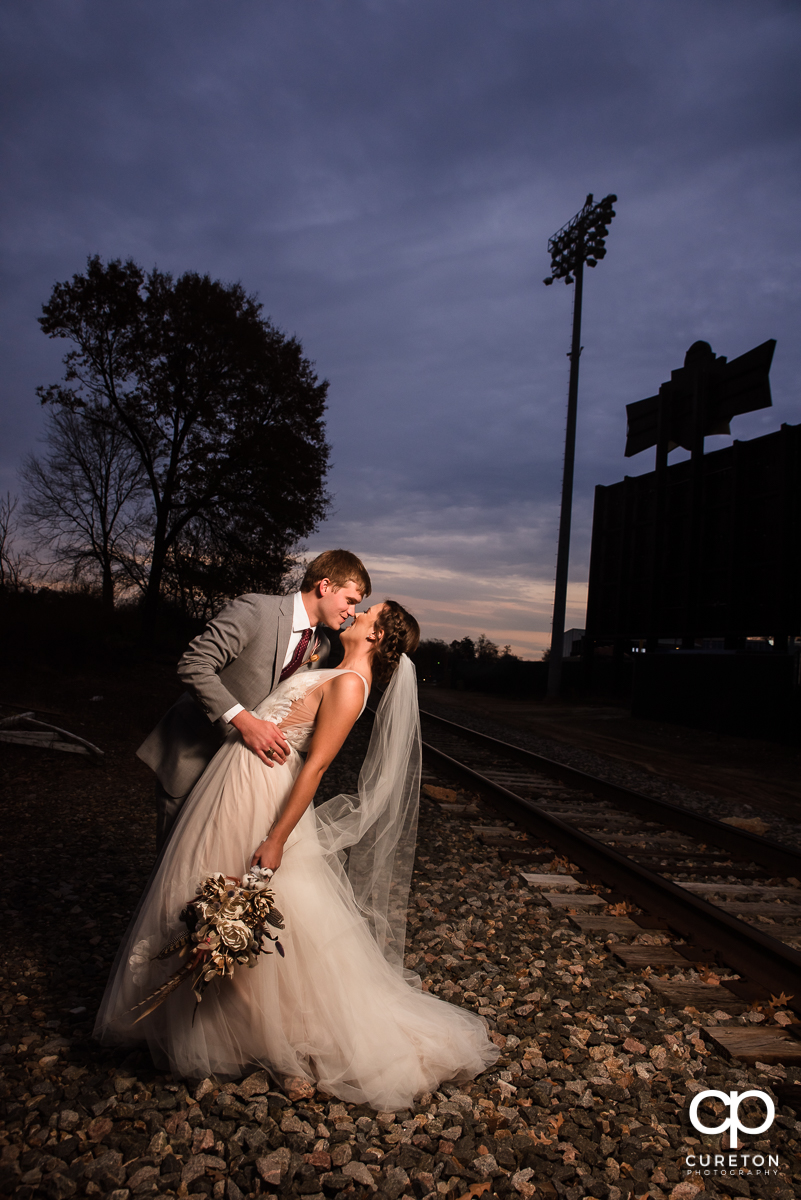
<point>386,176</point>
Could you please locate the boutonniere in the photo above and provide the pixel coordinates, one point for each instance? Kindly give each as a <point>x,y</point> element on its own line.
<point>313,657</point>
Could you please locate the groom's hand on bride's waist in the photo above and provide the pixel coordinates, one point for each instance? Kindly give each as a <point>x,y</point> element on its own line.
<point>262,737</point>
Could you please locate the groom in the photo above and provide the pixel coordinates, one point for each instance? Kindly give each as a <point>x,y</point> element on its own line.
<point>244,652</point>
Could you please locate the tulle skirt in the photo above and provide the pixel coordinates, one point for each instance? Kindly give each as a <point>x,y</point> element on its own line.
<point>332,1010</point>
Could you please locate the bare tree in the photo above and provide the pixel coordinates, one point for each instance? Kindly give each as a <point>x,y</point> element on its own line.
<point>85,503</point>
<point>14,564</point>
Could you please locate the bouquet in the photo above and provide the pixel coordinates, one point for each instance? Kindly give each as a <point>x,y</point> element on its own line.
<point>226,926</point>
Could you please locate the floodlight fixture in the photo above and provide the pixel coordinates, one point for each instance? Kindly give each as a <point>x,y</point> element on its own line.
<point>581,240</point>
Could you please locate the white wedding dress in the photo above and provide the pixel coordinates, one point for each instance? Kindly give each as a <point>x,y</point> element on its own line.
<point>337,1010</point>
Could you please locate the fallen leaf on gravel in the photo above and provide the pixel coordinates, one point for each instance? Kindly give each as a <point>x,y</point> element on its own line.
<point>556,1122</point>
<point>443,795</point>
<point>749,825</point>
<point>476,1189</point>
<point>541,1139</point>
<point>707,976</point>
<point>781,1000</point>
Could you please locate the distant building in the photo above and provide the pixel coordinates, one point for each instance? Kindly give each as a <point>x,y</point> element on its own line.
<point>695,584</point>
<point>704,550</point>
<point>573,643</point>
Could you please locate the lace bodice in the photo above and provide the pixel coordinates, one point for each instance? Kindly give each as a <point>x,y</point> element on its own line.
<point>294,703</point>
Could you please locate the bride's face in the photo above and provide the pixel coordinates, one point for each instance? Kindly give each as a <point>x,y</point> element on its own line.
<point>363,628</point>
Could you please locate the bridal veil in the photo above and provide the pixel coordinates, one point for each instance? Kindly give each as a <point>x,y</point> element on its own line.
<point>370,837</point>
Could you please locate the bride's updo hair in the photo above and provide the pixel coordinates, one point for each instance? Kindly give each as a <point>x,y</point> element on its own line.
<point>401,636</point>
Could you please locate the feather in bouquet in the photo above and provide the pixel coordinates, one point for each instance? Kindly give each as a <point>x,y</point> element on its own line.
<point>227,925</point>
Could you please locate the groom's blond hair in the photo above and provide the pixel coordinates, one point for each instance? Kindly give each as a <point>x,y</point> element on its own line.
<point>339,566</point>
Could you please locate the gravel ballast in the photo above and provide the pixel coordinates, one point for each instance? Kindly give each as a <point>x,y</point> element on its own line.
<point>590,1097</point>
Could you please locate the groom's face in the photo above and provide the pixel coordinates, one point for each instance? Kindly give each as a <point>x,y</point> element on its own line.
<point>338,603</point>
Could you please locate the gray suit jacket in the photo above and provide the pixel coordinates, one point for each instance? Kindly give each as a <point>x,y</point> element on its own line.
<point>236,660</point>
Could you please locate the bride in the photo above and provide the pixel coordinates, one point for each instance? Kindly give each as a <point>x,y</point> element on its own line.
<point>338,1010</point>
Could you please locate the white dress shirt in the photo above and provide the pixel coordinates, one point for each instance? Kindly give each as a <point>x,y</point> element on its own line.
<point>300,622</point>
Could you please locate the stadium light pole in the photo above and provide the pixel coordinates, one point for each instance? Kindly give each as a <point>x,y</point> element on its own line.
<point>582,240</point>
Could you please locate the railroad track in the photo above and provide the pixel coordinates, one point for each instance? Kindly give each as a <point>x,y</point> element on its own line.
<point>732,895</point>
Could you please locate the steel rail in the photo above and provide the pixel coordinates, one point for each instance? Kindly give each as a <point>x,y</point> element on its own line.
<point>750,846</point>
<point>746,949</point>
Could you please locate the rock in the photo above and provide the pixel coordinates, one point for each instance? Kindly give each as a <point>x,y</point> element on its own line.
<point>232,1192</point>
<point>486,1167</point>
<point>197,1166</point>
<point>273,1167</point>
<point>341,1154</point>
<point>107,1171</point>
<point>298,1089</point>
<point>99,1128</point>
<point>256,1141</point>
<point>204,1139</point>
<point>292,1124</point>
<point>424,1180</point>
<point>335,1181</point>
<point>361,1174</point>
<point>257,1084</point>
<point>449,1108</point>
<point>394,1182</point>
<point>58,1186</point>
<point>159,1144</point>
<point>521,1183</point>
<point>141,1176</point>
<point>203,1089</point>
<point>175,1123</point>
<point>686,1190</point>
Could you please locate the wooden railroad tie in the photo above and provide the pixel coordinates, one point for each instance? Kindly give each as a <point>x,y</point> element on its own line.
<point>753,1043</point>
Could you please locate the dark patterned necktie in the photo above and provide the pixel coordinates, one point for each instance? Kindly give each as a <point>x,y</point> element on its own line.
<point>297,658</point>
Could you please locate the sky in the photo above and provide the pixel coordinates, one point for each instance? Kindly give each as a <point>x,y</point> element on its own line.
<point>385,175</point>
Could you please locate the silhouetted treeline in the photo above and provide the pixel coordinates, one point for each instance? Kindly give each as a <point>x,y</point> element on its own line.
<point>68,629</point>
<point>481,666</point>
<point>470,663</point>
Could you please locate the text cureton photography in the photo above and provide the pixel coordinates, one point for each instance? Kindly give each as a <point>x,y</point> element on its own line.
<point>737,1161</point>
